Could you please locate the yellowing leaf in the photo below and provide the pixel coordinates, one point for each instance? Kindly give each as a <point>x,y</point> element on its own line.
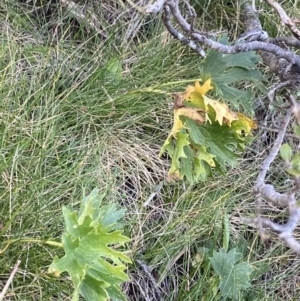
<point>194,94</point>
<point>55,272</point>
<point>222,111</point>
<point>204,88</point>
<point>205,156</point>
<point>243,123</point>
<point>177,125</point>
<point>195,114</point>
<point>196,146</point>
<point>248,121</point>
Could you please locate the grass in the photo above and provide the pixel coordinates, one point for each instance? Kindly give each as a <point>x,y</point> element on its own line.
<point>69,124</point>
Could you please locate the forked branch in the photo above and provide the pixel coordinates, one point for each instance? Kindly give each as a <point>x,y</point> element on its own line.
<point>268,192</point>
<point>282,61</point>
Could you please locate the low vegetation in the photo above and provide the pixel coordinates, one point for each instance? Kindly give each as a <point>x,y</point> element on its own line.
<point>88,104</point>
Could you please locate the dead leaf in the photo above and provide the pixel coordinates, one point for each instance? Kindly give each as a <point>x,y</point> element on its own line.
<point>178,100</point>
<point>222,111</point>
<point>195,114</point>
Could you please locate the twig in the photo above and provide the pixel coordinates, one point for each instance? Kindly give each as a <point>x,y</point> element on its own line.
<point>273,153</point>
<point>176,34</point>
<point>153,194</point>
<point>296,187</point>
<point>277,130</point>
<point>281,61</point>
<point>155,7</point>
<point>272,93</point>
<point>290,240</point>
<point>192,14</point>
<point>285,41</point>
<point>255,35</point>
<point>270,194</point>
<point>268,191</point>
<point>253,6</point>
<point>9,280</point>
<point>283,68</point>
<point>259,220</point>
<point>285,19</point>
<point>286,230</point>
<point>295,106</point>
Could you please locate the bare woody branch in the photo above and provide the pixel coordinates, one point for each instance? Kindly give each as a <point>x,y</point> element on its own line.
<point>267,191</point>
<point>176,34</point>
<point>285,19</point>
<point>285,42</point>
<point>260,181</point>
<point>248,46</point>
<point>155,7</point>
<point>275,52</point>
<point>295,107</point>
<point>288,73</point>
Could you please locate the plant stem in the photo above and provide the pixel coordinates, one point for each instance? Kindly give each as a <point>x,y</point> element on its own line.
<point>34,240</point>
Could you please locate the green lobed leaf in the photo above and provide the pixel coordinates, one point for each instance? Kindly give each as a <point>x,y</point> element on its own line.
<point>109,216</point>
<point>202,163</point>
<point>177,151</point>
<point>181,142</point>
<point>296,161</point>
<point>297,130</point>
<point>234,276</point>
<point>228,69</point>
<point>93,289</point>
<point>202,147</point>
<point>286,152</point>
<point>218,140</point>
<point>91,259</point>
<point>186,165</point>
<point>167,147</point>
